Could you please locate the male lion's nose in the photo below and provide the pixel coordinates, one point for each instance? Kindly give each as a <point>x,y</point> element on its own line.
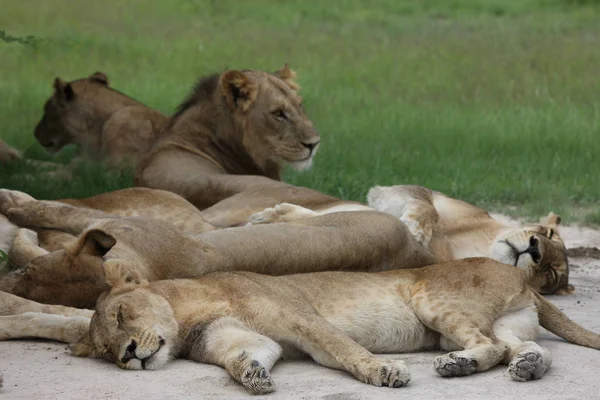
<point>311,146</point>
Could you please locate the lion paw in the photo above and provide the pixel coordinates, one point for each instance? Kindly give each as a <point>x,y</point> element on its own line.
<point>527,366</point>
<point>256,379</point>
<point>452,364</point>
<point>12,199</point>
<point>420,233</point>
<point>280,213</point>
<point>390,373</point>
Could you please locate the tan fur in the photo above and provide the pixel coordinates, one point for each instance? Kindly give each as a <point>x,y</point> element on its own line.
<point>453,229</point>
<point>152,249</point>
<point>480,310</point>
<point>233,134</point>
<point>105,125</point>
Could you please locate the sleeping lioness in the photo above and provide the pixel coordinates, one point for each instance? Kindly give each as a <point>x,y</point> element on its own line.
<point>480,310</point>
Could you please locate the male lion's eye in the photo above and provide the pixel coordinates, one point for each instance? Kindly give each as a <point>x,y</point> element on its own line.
<point>279,114</point>
<point>119,316</point>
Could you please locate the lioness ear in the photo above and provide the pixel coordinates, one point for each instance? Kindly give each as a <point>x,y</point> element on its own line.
<point>85,348</point>
<point>121,272</point>
<point>237,89</point>
<point>552,220</point>
<point>93,242</point>
<point>288,75</point>
<point>63,89</point>
<point>99,77</point>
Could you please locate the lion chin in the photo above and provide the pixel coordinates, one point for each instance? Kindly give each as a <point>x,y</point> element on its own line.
<point>302,165</point>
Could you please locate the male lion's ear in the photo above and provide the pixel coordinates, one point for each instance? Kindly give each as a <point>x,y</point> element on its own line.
<point>99,77</point>
<point>93,242</point>
<point>85,348</point>
<point>287,75</point>
<point>552,220</point>
<point>63,89</point>
<point>119,272</point>
<point>237,89</point>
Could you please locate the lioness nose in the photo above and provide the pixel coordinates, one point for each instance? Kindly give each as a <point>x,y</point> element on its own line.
<point>130,352</point>
<point>311,146</point>
<point>533,250</point>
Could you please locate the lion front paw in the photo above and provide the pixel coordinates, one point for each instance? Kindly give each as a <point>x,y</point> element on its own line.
<point>12,199</point>
<point>382,372</point>
<point>283,212</point>
<point>256,379</point>
<point>453,364</point>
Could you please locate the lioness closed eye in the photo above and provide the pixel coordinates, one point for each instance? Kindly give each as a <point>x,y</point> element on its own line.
<point>479,309</point>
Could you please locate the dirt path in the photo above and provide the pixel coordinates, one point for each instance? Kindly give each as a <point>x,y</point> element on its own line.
<point>34,370</point>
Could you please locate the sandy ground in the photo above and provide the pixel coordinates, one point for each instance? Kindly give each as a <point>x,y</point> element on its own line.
<point>44,370</point>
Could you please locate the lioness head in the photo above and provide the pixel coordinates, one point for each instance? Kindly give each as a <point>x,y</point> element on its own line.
<point>268,110</point>
<point>67,113</point>
<point>133,326</point>
<point>540,251</point>
<point>72,276</point>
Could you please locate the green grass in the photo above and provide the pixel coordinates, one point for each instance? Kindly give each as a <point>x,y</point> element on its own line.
<point>492,101</point>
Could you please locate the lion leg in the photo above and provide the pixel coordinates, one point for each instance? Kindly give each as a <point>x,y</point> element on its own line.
<point>25,248</point>
<point>36,214</point>
<point>43,326</point>
<point>462,331</point>
<point>331,347</point>
<point>245,354</point>
<point>413,205</point>
<point>481,352</point>
<point>526,359</point>
<point>11,304</point>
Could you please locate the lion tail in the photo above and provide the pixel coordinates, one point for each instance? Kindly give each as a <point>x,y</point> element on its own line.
<point>558,323</point>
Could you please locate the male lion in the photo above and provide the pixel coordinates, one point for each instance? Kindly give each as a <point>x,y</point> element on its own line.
<point>153,249</point>
<point>104,124</point>
<point>480,310</point>
<point>452,229</point>
<point>232,136</point>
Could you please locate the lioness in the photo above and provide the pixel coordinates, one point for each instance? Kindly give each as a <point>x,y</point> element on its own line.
<point>153,249</point>
<point>480,310</point>
<point>452,229</point>
<point>104,124</point>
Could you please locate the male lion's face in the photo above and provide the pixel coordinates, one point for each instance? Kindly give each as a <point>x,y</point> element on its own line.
<point>64,116</point>
<point>272,117</point>
<point>538,250</point>
<point>134,327</point>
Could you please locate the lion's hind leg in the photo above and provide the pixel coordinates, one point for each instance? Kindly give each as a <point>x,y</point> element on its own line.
<point>245,354</point>
<point>482,350</point>
<point>526,359</point>
<point>413,205</point>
